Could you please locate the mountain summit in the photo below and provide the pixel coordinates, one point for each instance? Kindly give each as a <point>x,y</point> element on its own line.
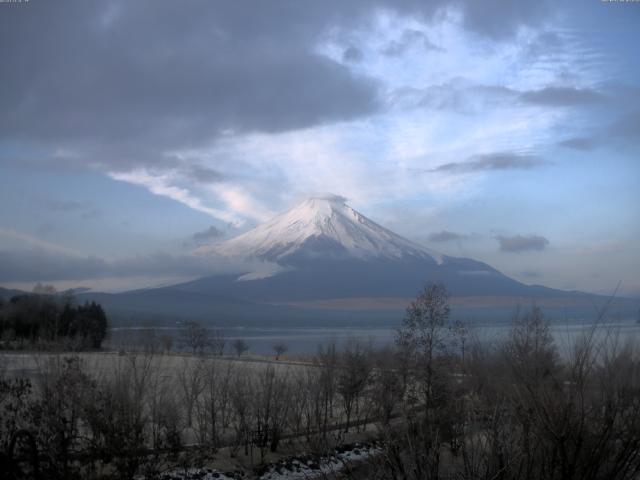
<point>321,227</point>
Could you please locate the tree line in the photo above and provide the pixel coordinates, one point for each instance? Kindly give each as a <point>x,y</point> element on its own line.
<point>51,321</point>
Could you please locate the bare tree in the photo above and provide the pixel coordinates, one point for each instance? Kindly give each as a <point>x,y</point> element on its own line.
<point>57,413</point>
<point>299,400</point>
<point>353,376</point>
<point>191,381</point>
<point>218,342</point>
<point>414,449</point>
<point>241,399</point>
<point>530,349</point>
<point>118,416</point>
<point>240,346</point>
<point>460,334</point>
<point>324,390</point>
<point>167,343</point>
<point>213,406</point>
<point>422,337</point>
<point>279,349</point>
<point>387,390</point>
<point>270,408</point>
<point>195,336</point>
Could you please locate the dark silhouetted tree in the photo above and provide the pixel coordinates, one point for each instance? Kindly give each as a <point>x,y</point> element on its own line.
<point>279,348</point>
<point>240,346</point>
<point>195,336</point>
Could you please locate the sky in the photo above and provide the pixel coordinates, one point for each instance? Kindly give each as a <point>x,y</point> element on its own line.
<point>133,132</point>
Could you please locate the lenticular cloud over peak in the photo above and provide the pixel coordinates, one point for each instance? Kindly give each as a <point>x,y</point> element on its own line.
<point>329,197</point>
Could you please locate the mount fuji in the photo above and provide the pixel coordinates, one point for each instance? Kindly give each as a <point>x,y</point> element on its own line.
<point>326,250</point>
<point>325,262</point>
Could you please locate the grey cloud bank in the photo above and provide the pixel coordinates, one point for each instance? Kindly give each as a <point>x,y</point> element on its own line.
<point>119,83</point>
<point>41,265</point>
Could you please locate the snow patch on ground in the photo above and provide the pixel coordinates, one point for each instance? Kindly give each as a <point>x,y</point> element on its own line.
<point>301,467</point>
<point>202,474</point>
<point>308,467</point>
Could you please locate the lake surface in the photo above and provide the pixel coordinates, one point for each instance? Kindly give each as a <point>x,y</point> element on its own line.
<point>305,340</point>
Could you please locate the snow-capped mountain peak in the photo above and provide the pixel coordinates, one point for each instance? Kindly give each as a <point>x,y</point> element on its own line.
<point>320,227</point>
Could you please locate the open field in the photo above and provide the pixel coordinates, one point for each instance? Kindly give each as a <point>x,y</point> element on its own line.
<point>100,364</point>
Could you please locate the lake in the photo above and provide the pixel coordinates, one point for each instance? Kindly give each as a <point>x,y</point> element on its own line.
<point>305,340</point>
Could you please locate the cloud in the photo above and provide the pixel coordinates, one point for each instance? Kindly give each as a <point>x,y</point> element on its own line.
<point>352,54</point>
<point>500,19</point>
<point>409,38</point>
<point>241,201</point>
<point>123,87</point>
<point>623,132</point>
<point>332,197</point>
<point>161,184</point>
<point>159,77</point>
<point>584,144</point>
<point>202,174</point>
<point>43,264</point>
<point>545,42</point>
<point>456,95</point>
<point>206,236</point>
<point>562,96</point>
<point>463,96</point>
<point>446,236</point>
<point>626,129</point>
<point>520,243</point>
<point>24,239</point>
<point>39,264</point>
<point>163,77</point>
<point>492,162</point>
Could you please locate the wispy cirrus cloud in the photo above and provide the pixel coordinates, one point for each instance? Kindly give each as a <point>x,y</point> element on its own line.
<point>162,184</point>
